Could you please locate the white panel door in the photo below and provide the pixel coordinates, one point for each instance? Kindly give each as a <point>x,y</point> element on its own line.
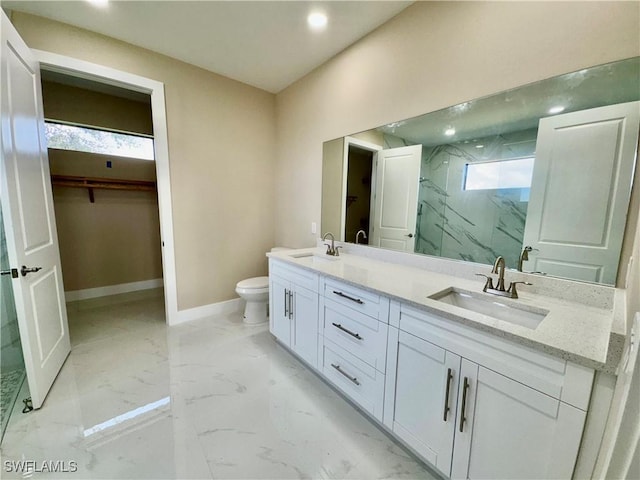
<point>395,205</point>
<point>580,192</point>
<point>424,412</point>
<point>27,205</point>
<point>512,431</point>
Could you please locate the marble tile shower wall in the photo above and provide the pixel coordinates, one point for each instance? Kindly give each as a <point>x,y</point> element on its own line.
<point>10,353</point>
<point>470,225</point>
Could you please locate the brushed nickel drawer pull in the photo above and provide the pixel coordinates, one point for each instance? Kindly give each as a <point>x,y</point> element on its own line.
<point>340,294</point>
<point>464,403</point>
<point>353,379</point>
<point>340,327</point>
<point>446,395</point>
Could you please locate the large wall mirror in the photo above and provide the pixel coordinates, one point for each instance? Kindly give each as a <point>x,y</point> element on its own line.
<point>541,175</point>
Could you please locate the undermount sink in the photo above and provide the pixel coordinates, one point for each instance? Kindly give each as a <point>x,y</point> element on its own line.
<point>315,257</point>
<point>523,315</point>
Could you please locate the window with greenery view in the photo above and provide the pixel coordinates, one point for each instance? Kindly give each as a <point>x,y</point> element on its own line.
<point>91,140</point>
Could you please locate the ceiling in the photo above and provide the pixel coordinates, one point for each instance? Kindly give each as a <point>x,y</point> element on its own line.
<point>264,43</point>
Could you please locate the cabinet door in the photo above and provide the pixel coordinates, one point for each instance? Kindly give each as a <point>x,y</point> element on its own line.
<point>425,399</point>
<point>513,431</point>
<point>305,325</point>
<point>279,322</point>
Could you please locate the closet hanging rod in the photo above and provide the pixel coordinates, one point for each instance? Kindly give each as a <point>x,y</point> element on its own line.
<point>103,183</point>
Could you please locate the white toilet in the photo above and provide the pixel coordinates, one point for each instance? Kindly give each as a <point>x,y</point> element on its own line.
<point>255,292</point>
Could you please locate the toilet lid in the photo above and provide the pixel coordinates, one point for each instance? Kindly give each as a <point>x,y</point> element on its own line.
<point>255,282</point>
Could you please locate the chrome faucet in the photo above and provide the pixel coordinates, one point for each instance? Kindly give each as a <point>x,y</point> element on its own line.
<point>498,268</point>
<point>364,235</point>
<point>331,248</point>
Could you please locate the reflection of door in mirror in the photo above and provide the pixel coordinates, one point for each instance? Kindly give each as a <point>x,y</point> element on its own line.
<point>396,198</point>
<point>580,192</point>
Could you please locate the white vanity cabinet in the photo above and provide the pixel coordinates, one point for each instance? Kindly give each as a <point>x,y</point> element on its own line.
<point>293,309</point>
<point>477,406</point>
<point>352,345</point>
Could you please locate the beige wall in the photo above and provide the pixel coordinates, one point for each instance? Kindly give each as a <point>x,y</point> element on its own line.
<point>432,55</point>
<point>222,150</point>
<point>77,105</point>
<point>114,240</point>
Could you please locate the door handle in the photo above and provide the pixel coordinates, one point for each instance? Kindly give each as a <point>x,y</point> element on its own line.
<point>410,235</point>
<point>24,270</point>
<point>290,304</point>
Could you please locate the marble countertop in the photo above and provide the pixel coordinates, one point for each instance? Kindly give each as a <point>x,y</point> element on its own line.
<point>570,330</point>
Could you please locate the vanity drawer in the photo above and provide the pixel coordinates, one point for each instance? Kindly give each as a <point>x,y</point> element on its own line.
<point>359,334</point>
<point>360,382</point>
<point>298,276</point>
<point>358,299</point>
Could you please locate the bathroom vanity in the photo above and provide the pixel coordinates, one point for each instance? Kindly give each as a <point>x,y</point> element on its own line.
<point>478,386</point>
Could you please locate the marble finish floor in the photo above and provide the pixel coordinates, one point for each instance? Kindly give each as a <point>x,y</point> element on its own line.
<point>207,399</point>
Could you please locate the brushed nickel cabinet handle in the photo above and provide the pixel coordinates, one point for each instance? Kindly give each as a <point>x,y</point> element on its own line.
<point>353,379</point>
<point>286,303</point>
<point>446,395</point>
<point>340,294</point>
<point>290,304</point>
<point>340,327</point>
<point>464,403</point>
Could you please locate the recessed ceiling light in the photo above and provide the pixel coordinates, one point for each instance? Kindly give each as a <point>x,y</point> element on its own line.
<point>450,131</point>
<point>99,3</point>
<point>479,146</point>
<point>317,20</point>
<point>556,109</point>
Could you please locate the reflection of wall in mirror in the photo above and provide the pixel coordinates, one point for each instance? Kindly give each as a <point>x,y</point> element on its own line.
<point>471,225</point>
<point>332,153</point>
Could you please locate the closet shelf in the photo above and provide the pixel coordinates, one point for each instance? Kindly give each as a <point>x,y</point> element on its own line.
<point>104,183</point>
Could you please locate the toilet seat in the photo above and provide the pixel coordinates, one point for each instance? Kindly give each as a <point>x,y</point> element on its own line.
<point>253,285</point>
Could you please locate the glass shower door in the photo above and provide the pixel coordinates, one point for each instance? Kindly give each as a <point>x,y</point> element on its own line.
<point>12,371</point>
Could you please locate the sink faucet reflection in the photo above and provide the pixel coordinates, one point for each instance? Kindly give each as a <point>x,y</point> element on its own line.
<point>364,235</point>
<point>524,256</point>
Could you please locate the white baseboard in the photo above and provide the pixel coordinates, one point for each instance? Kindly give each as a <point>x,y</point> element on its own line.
<point>85,294</point>
<point>220,308</point>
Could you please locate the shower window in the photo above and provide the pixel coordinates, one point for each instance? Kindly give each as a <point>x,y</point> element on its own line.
<point>501,174</point>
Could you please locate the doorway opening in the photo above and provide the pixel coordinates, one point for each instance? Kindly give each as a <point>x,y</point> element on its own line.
<point>358,201</point>
<point>358,176</point>
<point>103,174</point>
<point>132,87</point>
